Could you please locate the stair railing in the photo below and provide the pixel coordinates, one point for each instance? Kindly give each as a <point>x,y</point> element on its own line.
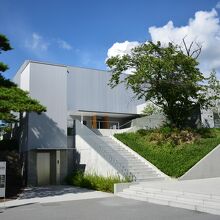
<point>125,124</point>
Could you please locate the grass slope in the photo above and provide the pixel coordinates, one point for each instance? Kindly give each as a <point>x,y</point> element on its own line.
<point>172,158</point>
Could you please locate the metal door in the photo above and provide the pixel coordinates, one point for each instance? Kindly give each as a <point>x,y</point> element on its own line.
<point>43,168</point>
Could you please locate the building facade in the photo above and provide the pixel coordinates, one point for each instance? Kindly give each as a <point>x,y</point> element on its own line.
<point>69,94</point>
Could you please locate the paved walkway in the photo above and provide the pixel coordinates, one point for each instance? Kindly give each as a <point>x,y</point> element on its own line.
<point>111,208</point>
<point>53,194</point>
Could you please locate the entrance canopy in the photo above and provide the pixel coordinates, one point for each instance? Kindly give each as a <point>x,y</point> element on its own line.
<point>102,120</point>
<point>98,113</point>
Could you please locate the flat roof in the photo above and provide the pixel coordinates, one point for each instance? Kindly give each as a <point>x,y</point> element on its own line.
<point>26,62</point>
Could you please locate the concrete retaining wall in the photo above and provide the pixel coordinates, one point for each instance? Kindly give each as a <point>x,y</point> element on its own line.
<point>149,122</point>
<point>207,167</point>
<point>90,155</point>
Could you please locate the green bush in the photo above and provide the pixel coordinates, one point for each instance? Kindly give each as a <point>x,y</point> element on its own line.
<point>94,181</point>
<point>169,136</point>
<point>143,132</point>
<point>208,133</point>
<point>174,136</point>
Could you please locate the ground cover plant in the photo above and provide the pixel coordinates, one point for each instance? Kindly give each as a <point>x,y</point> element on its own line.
<point>172,150</point>
<point>94,181</point>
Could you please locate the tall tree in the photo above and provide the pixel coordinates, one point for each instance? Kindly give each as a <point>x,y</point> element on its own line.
<point>166,76</point>
<point>12,98</point>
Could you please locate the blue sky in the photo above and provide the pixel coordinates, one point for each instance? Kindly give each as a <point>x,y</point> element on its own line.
<point>81,32</point>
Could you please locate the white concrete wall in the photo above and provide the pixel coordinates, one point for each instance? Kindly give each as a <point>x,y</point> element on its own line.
<point>140,108</point>
<point>88,90</point>
<point>149,122</point>
<point>87,147</point>
<point>62,89</point>
<point>207,167</point>
<point>25,79</point>
<point>17,77</point>
<point>48,85</point>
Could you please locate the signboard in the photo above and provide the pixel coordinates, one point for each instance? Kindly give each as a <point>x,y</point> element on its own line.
<point>2,178</point>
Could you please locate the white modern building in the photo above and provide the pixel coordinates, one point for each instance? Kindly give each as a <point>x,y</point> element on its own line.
<point>76,130</point>
<point>69,93</point>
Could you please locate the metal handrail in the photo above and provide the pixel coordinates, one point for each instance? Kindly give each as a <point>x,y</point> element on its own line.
<point>106,121</point>
<point>125,123</point>
<point>119,126</point>
<point>99,121</point>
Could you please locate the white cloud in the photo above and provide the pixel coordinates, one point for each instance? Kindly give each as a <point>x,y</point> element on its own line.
<point>37,43</point>
<point>64,45</point>
<point>121,48</point>
<point>204,28</point>
<point>218,5</point>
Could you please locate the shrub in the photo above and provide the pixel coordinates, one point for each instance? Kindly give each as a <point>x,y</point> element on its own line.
<point>207,133</point>
<point>142,132</point>
<point>172,136</point>
<point>94,181</point>
<point>151,109</point>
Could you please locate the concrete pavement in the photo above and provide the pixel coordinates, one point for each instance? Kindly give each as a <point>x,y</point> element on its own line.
<point>66,202</point>
<point>52,194</point>
<point>111,208</point>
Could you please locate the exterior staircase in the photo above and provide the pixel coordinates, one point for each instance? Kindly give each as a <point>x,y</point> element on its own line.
<point>139,170</point>
<point>151,185</point>
<point>174,196</point>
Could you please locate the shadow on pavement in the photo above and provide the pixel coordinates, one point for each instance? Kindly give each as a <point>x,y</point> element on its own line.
<point>39,192</point>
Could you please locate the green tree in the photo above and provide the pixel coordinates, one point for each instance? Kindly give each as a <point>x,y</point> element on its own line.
<point>151,109</point>
<point>12,98</point>
<point>166,76</point>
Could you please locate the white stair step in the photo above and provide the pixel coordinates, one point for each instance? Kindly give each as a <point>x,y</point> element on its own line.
<point>214,209</point>
<point>128,160</point>
<point>184,199</point>
<point>142,174</point>
<point>136,166</point>
<point>180,196</point>
<point>145,176</point>
<point>176,196</point>
<point>142,189</point>
<point>142,170</point>
<point>150,179</point>
<point>147,170</point>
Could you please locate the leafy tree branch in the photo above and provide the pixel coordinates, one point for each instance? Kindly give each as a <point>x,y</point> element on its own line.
<point>166,76</point>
